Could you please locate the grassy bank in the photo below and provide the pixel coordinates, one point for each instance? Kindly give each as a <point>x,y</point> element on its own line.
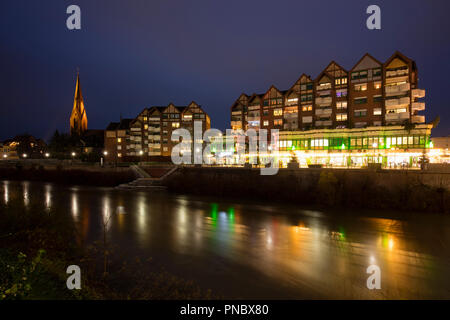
<point>37,245</point>
<point>68,176</point>
<point>329,188</point>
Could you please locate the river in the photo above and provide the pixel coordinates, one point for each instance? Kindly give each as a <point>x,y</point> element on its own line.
<point>260,250</point>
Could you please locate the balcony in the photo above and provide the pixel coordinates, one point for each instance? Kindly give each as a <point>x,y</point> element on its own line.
<point>418,106</point>
<point>418,93</point>
<point>323,123</point>
<point>396,73</point>
<point>396,90</point>
<point>397,116</point>
<point>417,119</point>
<point>390,103</point>
<point>324,86</point>
<point>253,119</point>
<point>290,115</point>
<point>236,123</point>
<point>323,112</point>
<point>290,126</point>
<point>324,101</point>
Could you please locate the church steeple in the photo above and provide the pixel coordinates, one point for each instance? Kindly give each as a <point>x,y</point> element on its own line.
<point>78,119</point>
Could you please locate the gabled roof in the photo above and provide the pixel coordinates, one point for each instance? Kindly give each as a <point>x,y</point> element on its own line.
<point>398,54</point>
<point>362,58</point>
<point>112,126</point>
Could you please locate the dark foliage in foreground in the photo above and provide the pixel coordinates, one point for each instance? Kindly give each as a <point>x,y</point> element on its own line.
<point>37,245</point>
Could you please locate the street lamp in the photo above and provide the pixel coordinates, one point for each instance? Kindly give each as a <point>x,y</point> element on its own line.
<point>5,156</point>
<point>47,155</point>
<point>141,152</point>
<point>73,154</point>
<point>105,153</point>
<point>24,155</point>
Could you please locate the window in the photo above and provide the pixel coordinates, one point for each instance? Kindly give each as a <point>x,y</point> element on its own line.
<point>175,124</point>
<point>361,87</point>
<point>306,97</point>
<point>266,112</point>
<point>119,155</point>
<point>145,118</point>
<point>266,103</point>
<point>278,112</point>
<point>145,126</point>
<point>278,122</point>
<point>377,85</point>
<point>341,80</point>
<point>377,111</point>
<point>119,140</point>
<point>361,100</point>
<point>166,149</point>
<point>376,72</point>
<point>341,117</point>
<point>341,93</point>
<point>377,98</point>
<point>341,105</point>
<point>266,123</point>
<point>360,113</point>
<point>307,108</point>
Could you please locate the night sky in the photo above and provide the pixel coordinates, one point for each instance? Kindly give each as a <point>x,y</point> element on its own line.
<point>138,53</point>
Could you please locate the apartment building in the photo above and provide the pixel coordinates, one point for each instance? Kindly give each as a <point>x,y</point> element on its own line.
<point>371,93</point>
<point>149,134</point>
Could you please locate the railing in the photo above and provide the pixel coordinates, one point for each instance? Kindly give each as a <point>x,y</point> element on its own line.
<point>392,90</point>
<point>418,106</point>
<point>418,93</point>
<point>290,115</point>
<point>397,102</point>
<point>324,101</point>
<point>324,123</point>
<point>324,112</point>
<point>417,119</point>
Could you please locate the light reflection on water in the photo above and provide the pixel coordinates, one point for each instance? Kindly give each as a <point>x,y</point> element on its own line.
<point>253,251</point>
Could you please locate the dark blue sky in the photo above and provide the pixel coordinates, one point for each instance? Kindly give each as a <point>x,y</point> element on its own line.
<point>137,53</point>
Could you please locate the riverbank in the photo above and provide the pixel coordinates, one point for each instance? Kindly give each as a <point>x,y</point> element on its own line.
<point>69,175</point>
<point>386,189</point>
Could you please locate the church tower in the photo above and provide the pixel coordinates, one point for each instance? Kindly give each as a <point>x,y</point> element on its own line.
<point>78,119</point>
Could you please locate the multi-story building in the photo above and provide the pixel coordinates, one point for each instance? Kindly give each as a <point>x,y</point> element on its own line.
<point>370,94</point>
<point>149,134</point>
<point>344,118</point>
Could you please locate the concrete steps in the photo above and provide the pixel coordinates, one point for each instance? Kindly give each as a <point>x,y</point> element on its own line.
<point>145,181</point>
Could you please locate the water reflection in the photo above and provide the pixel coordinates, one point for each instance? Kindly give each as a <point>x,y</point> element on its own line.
<point>226,245</point>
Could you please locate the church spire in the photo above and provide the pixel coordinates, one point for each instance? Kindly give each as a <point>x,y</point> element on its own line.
<point>78,119</point>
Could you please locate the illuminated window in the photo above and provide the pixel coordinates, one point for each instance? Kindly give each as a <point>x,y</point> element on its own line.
<point>145,126</point>
<point>119,155</point>
<point>119,140</point>
<point>278,112</point>
<point>341,105</point>
<point>266,123</point>
<point>145,118</point>
<point>175,124</point>
<point>377,85</point>
<point>361,87</point>
<point>377,112</point>
<point>341,117</point>
<point>307,108</point>
<point>277,122</point>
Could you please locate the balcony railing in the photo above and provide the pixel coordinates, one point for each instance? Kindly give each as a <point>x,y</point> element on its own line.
<point>418,106</point>
<point>396,73</point>
<point>290,115</point>
<point>397,116</point>
<point>418,93</point>
<point>323,112</point>
<point>323,123</point>
<point>417,119</point>
<point>324,101</point>
<point>395,90</point>
<point>324,86</point>
<point>397,102</point>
